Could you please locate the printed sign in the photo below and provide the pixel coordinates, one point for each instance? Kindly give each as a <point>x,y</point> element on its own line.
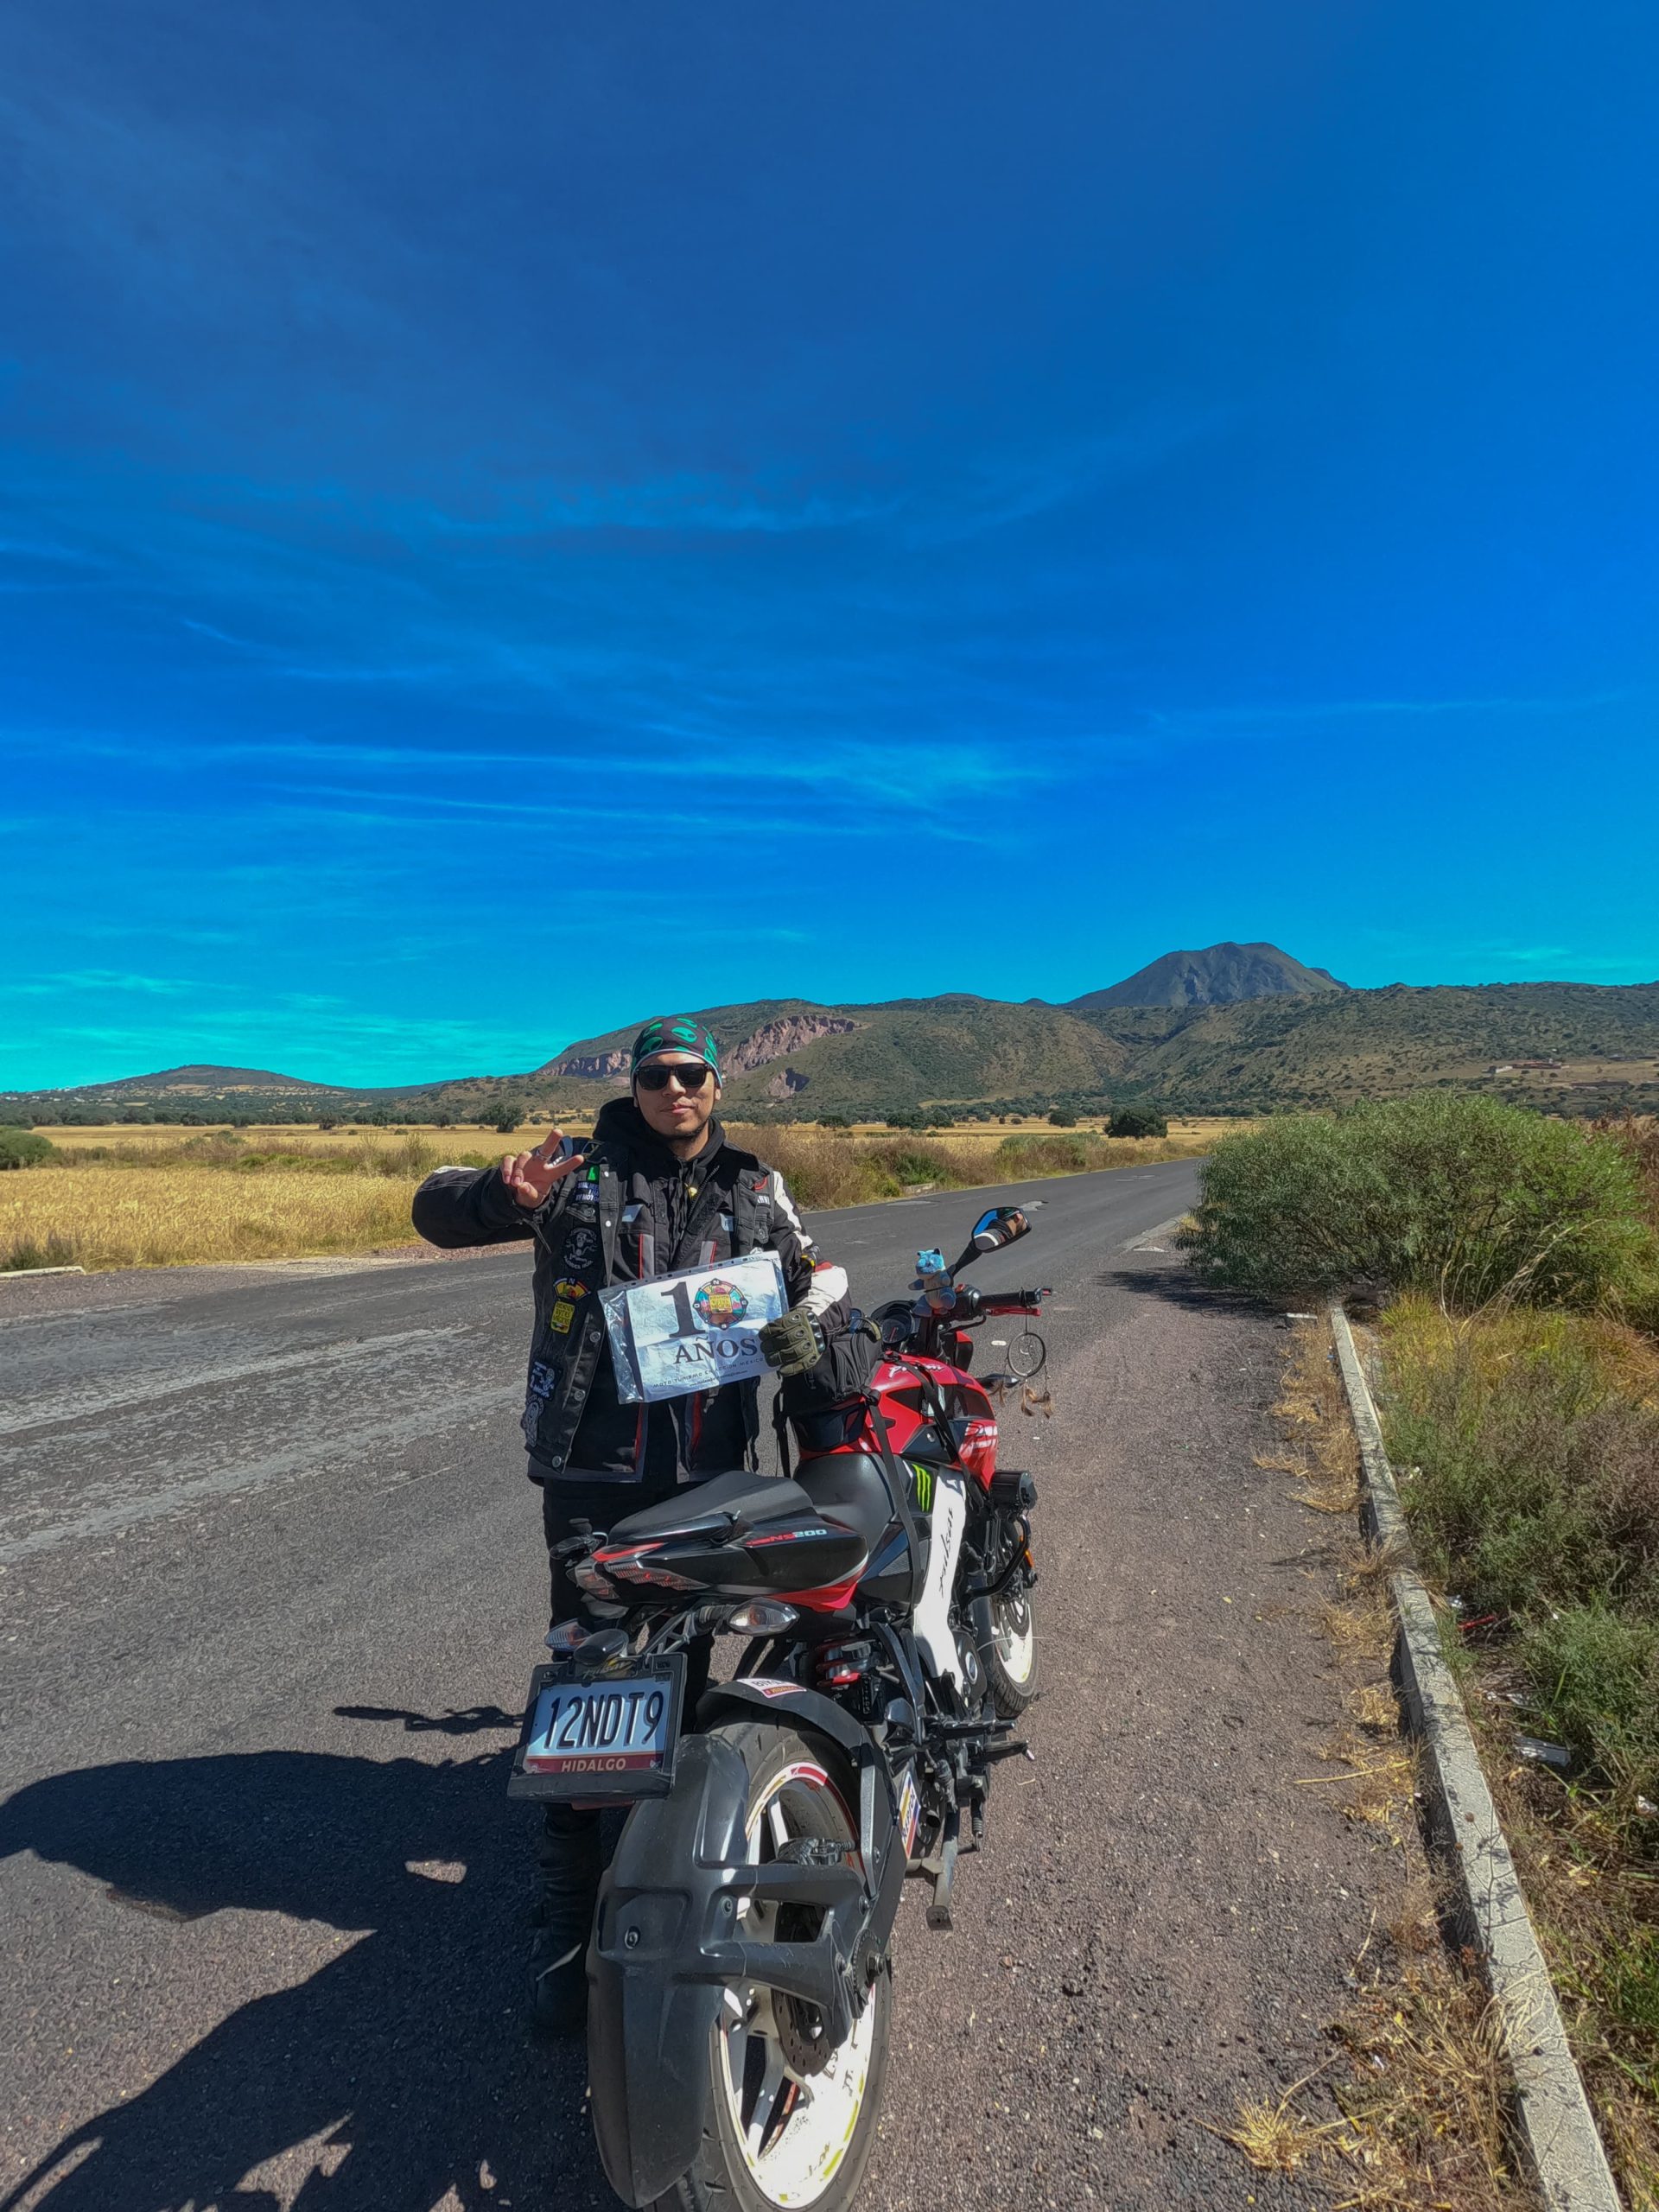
<point>678,1334</point>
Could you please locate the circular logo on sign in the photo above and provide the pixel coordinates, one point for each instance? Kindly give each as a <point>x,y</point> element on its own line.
<point>720,1305</point>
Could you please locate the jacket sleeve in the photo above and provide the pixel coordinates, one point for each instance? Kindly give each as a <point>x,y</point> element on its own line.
<point>811,1280</point>
<point>456,1206</point>
<point>842,1372</point>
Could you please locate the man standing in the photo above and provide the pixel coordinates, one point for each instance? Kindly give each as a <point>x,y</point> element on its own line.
<point>659,1189</point>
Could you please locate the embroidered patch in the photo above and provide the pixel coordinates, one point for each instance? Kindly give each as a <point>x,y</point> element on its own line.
<point>582,1247</point>
<point>566,1298</point>
<point>543,1381</point>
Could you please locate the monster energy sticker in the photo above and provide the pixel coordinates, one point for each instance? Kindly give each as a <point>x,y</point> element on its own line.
<point>676,1335</point>
<point>923,1480</point>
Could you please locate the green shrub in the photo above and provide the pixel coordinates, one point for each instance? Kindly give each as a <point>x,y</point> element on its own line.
<point>1137,1121</point>
<point>23,1148</point>
<point>1453,1194</point>
<point>1597,1671</point>
<point>1529,1446</point>
<point>1064,1118</point>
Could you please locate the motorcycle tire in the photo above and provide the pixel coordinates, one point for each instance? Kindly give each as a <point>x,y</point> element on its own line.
<point>779,2130</point>
<point>1011,1662</point>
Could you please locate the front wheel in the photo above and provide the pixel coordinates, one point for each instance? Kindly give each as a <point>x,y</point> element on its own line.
<point>1013,1659</point>
<point>790,2122</point>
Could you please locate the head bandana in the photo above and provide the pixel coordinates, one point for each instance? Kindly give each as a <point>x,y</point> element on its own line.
<point>674,1033</point>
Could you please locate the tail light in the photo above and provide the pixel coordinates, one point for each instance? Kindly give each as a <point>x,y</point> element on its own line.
<point>763,1616</point>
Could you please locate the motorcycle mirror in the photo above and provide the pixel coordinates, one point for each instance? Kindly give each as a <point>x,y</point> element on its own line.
<point>999,1226</point>
<point>996,1226</point>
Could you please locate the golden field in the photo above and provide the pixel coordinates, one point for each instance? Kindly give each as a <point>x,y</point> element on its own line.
<point>129,1196</point>
<point>115,1218</point>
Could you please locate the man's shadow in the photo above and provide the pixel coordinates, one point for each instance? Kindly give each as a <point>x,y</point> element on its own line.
<point>407,2051</point>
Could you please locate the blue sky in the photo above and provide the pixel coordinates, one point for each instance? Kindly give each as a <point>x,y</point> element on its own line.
<point>515,518</point>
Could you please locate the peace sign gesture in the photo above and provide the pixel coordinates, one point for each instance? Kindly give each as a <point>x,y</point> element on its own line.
<point>531,1175</point>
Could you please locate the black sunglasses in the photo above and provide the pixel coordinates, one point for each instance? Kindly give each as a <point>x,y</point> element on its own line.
<point>690,1074</point>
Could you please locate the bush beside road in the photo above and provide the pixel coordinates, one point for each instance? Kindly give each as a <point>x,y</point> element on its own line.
<point>1515,1262</point>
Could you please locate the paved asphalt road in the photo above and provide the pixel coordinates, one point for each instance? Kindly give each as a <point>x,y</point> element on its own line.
<point>270,1582</point>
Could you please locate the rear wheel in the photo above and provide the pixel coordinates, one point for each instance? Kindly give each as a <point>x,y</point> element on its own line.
<point>1013,1667</point>
<point>790,2122</point>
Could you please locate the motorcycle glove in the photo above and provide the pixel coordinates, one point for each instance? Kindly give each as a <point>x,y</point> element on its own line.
<point>792,1344</point>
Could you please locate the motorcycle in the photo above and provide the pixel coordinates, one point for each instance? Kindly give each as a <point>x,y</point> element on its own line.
<point>739,1971</point>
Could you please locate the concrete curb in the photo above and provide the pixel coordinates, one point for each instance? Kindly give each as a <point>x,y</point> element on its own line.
<point>1148,1237</point>
<point>1560,2130</point>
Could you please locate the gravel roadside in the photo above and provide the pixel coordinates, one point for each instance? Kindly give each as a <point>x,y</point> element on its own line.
<point>1163,1920</point>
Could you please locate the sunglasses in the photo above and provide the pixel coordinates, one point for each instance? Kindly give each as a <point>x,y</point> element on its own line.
<point>690,1074</point>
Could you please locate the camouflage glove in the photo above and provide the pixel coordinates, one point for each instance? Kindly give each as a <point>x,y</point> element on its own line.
<point>793,1344</point>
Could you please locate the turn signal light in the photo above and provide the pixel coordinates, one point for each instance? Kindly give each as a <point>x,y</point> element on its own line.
<point>763,1616</point>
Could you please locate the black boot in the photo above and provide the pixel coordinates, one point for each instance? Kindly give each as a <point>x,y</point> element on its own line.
<point>570,1858</point>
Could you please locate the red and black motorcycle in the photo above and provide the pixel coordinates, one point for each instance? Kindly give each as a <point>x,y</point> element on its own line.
<point>739,1970</point>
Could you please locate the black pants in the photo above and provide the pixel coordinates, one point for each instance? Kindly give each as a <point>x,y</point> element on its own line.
<point>569,1851</point>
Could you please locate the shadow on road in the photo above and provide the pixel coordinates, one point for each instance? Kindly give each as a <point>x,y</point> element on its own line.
<point>406,2055</point>
<point>1180,1287</point>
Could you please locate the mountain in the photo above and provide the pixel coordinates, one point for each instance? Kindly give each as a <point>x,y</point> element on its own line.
<point>903,1052</point>
<point>1572,1047</point>
<point>1220,976</point>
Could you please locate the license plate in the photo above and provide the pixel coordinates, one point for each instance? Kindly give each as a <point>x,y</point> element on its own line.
<point>606,1734</point>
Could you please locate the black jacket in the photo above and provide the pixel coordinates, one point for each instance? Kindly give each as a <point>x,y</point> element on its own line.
<point>632,1212</point>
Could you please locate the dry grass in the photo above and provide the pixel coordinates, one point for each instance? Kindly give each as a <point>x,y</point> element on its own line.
<point>111,1218</point>
<point>1275,2137</point>
<point>1418,2086</point>
<point>155,1195</point>
<point>1596,1912</point>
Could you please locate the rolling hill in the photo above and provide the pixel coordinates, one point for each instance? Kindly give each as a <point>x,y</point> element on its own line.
<point>1574,1047</point>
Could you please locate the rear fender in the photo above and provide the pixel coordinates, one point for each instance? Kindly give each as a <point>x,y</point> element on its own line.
<point>666,1941</point>
<point>647,2025</point>
<point>880,1842</point>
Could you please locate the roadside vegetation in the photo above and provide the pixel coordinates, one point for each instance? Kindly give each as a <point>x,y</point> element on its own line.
<point>1515,1264</point>
<point>160,1198</point>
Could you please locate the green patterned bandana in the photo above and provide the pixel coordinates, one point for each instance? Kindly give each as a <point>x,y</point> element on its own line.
<point>674,1033</point>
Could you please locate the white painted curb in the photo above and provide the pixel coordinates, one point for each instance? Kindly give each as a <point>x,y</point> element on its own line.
<point>1556,2122</point>
<point>1149,1239</point>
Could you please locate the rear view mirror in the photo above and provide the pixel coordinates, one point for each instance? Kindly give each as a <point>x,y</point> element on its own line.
<point>1000,1225</point>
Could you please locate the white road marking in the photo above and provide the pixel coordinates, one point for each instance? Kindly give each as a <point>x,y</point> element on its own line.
<point>341,1449</point>
<point>79,1404</point>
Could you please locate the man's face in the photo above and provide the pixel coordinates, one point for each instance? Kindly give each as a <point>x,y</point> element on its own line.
<point>683,1109</point>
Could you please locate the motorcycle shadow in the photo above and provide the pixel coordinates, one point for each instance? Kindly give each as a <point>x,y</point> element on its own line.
<point>405,2065</point>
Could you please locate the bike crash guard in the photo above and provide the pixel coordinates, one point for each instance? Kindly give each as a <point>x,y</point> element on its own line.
<point>665,1944</point>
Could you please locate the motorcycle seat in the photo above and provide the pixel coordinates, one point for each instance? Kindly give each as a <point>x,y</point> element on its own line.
<point>713,1507</point>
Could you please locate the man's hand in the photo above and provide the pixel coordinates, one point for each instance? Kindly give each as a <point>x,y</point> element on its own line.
<point>531,1175</point>
<point>793,1344</point>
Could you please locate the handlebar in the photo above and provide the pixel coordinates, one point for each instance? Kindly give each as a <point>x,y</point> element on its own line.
<point>1010,1301</point>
